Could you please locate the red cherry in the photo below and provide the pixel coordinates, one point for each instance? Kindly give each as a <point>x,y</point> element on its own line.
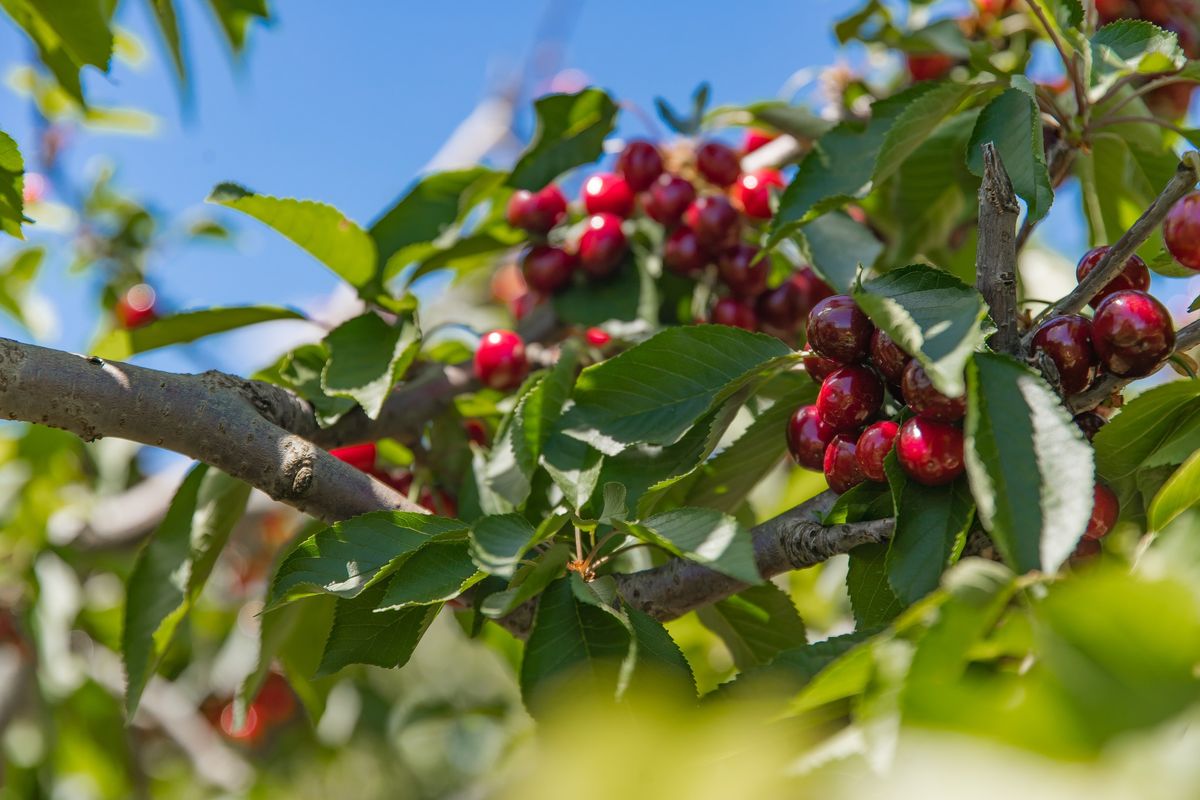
<point>925,400</point>
<point>668,198</point>
<point>1172,101</point>
<point>275,701</point>
<point>841,468</point>
<point>1090,423</point>
<point>930,452</point>
<point>819,368</point>
<point>537,212</point>
<point>715,222</point>
<point>521,305</point>
<point>887,356</point>
<point>1132,333</point>
<point>1105,509</point>
<point>756,138</point>
<point>607,194</point>
<point>734,313</point>
<point>928,66</point>
<point>807,437</point>
<point>812,289</point>
<point>1067,340</point>
<point>849,398</point>
<point>438,502</point>
<point>1135,275</point>
<point>136,308</point>
<point>547,269</point>
<point>993,7</point>
<point>500,360</point>
<point>477,432</point>
<point>252,728</point>
<point>359,456</point>
<point>873,446</point>
<point>752,192</point>
<point>780,307</point>
<point>597,337</point>
<point>400,480</point>
<point>718,163</point>
<point>838,329</point>
<point>683,253</point>
<point>1086,550</point>
<point>744,275</point>
<point>1181,232</point>
<point>602,245</point>
<point>640,163</point>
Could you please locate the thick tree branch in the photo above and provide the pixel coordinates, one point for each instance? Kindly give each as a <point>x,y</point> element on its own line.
<point>996,257</point>
<point>1186,338</point>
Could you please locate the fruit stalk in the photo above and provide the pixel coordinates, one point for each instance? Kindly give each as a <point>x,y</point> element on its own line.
<point>996,258</point>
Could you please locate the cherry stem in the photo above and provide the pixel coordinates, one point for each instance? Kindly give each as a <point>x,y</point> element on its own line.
<point>620,551</point>
<point>1069,62</point>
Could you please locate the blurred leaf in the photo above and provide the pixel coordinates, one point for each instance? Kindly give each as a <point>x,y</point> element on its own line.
<point>756,624</point>
<point>362,635</point>
<point>1130,46</point>
<point>620,297</point>
<point>1013,123</point>
<point>80,26</point>
<point>1063,13</point>
<point>1178,494</point>
<point>1144,423</point>
<point>436,573</point>
<point>235,17</point>
<point>702,535</point>
<point>839,247</point>
<point>1030,468</point>
<point>528,582</point>
<point>16,279</point>
<point>871,596</point>
<point>571,131</point>
<point>499,541</point>
<point>657,654</point>
<point>294,638</point>
<point>12,183</point>
<point>1126,173</point>
<point>690,125</point>
<point>797,120</point>
<point>1180,443</point>
<point>168,26</point>
<point>188,326</point>
<point>367,356</point>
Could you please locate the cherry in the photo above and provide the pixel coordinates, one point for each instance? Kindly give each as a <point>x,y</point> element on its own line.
<point>715,222</point>
<point>607,193</point>
<point>683,253</point>
<point>1135,275</point>
<point>500,360</point>
<point>930,452</point>
<point>477,432</point>
<point>597,337</point>
<point>136,308</point>
<point>275,701</point>
<point>734,313</point>
<point>521,305</point>
<point>1067,340</point>
<point>928,66</point>
<point>925,400</point>
<point>849,398</point>
<point>437,501</point>
<point>807,437</point>
<point>873,446</point>
<point>1105,508</point>
<point>745,276</point>
<point>1133,334</point>
<point>752,192</point>
<point>780,307</point>
<point>1085,550</point>
<point>1090,423</point>
<point>640,163</point>
<point>252,727</point>
<point>813,290</point>
<point>887,356</point>
<point>838,329</point>
<point>359,456</point>
<point>668,198</point>
<point>602,245</point>
<point>756,138</point>
<point>841,468</point>
<point>993,7</point>
<point>718,163</point>
<point>1172,101</point>
<point>547,269</point>
<point>537,212</point>
<point>1181,232</point>
<point>820,368</point>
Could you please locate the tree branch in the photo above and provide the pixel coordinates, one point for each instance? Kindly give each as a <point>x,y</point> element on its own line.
<point>1186,338</point>
<point>996,257</point>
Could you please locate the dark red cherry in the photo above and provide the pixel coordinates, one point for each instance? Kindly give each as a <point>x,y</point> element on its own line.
<point>841,468</point>
<point>715,222</point>
<point>683,253</point>
<point>602,245</point>
<point>930,452</point>
<point>812,289</point>
<point>1181,232</point>
<point>1136,274</point>
<point>928,66</point>
<point>743,271</point>
<point>718,163</point>
<point>537,212</point>
<point>735,313</point>
<point>780,307</point>
<point>838,329</point>
<point>887,357</point>
<point>477,432</point>
<point>873,446</point>
<point>607,193</point>
<point>1090,423</point>
<point>500,360</point>
<point>1067,340</point>
<point>668,198</point>
<point>1132,333</point>
<point>641,164</point>
<point>752,192</point>
<point>807,437</point>
<point>926,401</point>
<point>359,456</point>
<point>1105,509</point>
<point>850,397</point>
<point>547,269</point>
<point>820,368</point>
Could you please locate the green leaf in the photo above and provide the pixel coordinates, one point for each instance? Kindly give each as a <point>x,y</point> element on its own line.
<point>871,597</point>
<point>351,555</point>
<point>292,637</point>
<point>168,26</point>
<point>362,635</point>
<point>1063,13</point>
<point>868,500</point>
<point>1013,123</point>
<point>367,356</point>
<point>574,466</point>
<point>838,247</point>
<point>658,656</point>
<point>917,122</point>
<point>326,233</point>
<point>12,187</point>
<point>702,535</point>
<point>528,582</point>
<point>300,371</point>
<point>172,569</point>
<point>436,573</point>
<point>16,280</point>
<point>1145,422</point>
<point>756,624</point>
<point>1130,46</point>
<point>1178,494</point>
<point>931,525</point>
<point>932,315</point>
<point>235,17</point>
<point>1180,443</point>
<point>798,120</point>
<point>185,327</point>
<point>1126,177</point>
<point>653,393</point>
<point>571,130</point>
<point>81,26</point>
<point>1029,466</point>
<point>499,541</point>
<point>597,302</point>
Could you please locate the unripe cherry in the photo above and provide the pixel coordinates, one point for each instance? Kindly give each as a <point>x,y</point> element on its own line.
<point>849,397</point>
<point>752,192</point>
<point>925,400</point>
<point>930,452</point>
<point>1135,275</point>
<point>743,271</point>
<point>547,269</point>
<point>668,198</point>
<point>1133,334</point>
<point>873,446</point>
<point>838,329</point>
<point>607,193</point>
<point>734,313</point>
<point>718,163</point>
<point>500,360</point>
<point>640,163</point>
<point>840,464</point>
<point>537,212</point>
<point>602,245</point>
<point>683,253</point>
<point>807,437</point>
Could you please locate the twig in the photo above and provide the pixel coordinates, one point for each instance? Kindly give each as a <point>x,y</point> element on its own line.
<point>1186,338</point>
<point>1069,63</point>
<point>1167,80</point>
<point>1141,121</point>
<point>996,257</point>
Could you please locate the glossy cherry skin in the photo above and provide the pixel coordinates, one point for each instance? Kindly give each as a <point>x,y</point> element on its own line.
<point>849,398</point>
<point>780,307</point>
<point>641,164</point>
<point>812,289</point>
<point>500,360</point>
<point>1181,231</point>
<point>807,437</point>
<point>1136,274</point>
<point>667,199</point>
<point>752,192</point>
<point>1090,423</point>
<point>734,313</point>
<point>359,456</point>
<point>743,272</point>
<point>715,222</point>
<point>873,446</point>
<point>602,245</point>
<point>838,329</point>
<point>547,269</point>
<point>756,138</point>
<point>1067,340</point>
<point>887,357</point>
<point>1085,550</point>
<point>683,253</point>
<point>537,212</point>
<point>137,307</point>
<point>928,66</point>
<point>930,452</point>
<point>925,400</point>
<point>1105,509</point>
<point>607,193</point>
<point>840,464</point>
<point>1132,333</point>
<point>819,368</point>
<point>718,163</point>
